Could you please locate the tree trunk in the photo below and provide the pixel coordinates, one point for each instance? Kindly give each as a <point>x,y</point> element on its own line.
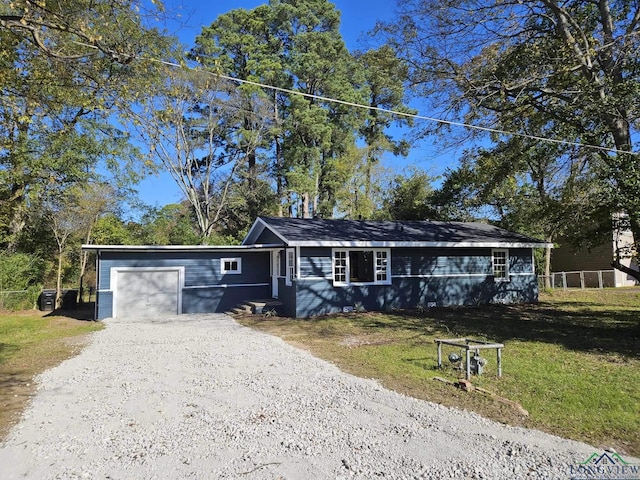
<point>316,197</point>
<point>634,225</point>
<point>280,179</point>
<point>84,257</point>
<point>59,280</point>
<point>279,165</point>
<point>547,266</point>
<point>305,206</point>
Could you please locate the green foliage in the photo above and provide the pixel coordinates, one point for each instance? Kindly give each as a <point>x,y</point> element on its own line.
<point>410,198</point>
<point>310,145</point>
<point>21,275</point>
<point>64,74</point>
<point>534,188</point>
<point>385,75</point>
<point>19,271</point>
<point>245,201</point>
<point>564,71</point>
<point>14,301</point>
<point>110,230</point>
<point>169,225</point>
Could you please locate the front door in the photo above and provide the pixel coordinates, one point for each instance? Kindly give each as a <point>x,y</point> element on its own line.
<point>275,272</point>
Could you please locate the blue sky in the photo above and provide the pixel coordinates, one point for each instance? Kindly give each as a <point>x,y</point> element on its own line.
<point>358,17</point>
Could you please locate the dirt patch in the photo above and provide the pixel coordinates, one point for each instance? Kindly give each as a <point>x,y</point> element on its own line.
<point>353,341</point>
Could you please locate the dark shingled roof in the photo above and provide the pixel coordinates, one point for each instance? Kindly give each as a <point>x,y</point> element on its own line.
<point>296,230</point>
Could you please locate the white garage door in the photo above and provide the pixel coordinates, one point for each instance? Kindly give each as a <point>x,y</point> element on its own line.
<point>147,292</point>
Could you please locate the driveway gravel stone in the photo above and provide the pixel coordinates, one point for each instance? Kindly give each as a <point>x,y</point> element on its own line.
<point>199,396</point>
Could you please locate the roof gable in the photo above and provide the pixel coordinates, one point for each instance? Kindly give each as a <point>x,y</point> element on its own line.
<point>363,233</point>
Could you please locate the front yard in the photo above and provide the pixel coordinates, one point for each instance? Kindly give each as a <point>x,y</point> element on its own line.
<point>31,342</point>
<point>571,361</point>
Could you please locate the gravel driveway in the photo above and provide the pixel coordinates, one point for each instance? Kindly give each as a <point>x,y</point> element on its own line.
<point>199,396</point>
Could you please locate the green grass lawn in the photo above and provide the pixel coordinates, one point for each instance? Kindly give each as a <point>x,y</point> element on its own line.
<point>571,361</point>
<point>30,343</point>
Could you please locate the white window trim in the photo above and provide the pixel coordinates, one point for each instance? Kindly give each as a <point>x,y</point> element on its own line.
<point>348,268</point>
<point>290,266</point>
<point>506,277</point>
<point>237,271</point>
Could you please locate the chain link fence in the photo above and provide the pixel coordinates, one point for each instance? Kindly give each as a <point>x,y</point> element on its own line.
<point>14,300</point>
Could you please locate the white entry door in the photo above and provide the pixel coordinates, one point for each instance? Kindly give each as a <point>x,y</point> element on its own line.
<point>275,272</point>
<point>144,292</point>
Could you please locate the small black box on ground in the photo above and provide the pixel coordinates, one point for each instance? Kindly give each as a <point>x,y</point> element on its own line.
<point>47,300</point>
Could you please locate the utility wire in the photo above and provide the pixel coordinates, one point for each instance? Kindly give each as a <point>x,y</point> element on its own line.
<point>386,110</point>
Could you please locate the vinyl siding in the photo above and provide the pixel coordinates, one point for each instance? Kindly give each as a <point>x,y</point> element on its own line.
<point>321,297</point>
<point>206,289</point>
<point>521,261</point>
<point>438,262</point>
<point>445,276</point>
<point>316,262</point>
<point>267,237</point>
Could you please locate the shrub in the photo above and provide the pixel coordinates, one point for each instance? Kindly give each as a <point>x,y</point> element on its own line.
<point>19,271</point>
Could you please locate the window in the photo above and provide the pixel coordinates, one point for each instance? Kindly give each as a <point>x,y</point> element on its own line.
<point>230,265</point>
<point>290,266</point>
<point>340,266</point>
<point>500,265</point>
<point>381,266</point>
<point>361,266</point>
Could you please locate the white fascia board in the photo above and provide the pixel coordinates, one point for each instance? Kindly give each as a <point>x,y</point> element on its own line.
<point>178,248</point>
<point>257,223</point>
<point>367,244</point>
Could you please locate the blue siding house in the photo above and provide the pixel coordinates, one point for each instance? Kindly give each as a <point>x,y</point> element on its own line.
<point>315,267</point>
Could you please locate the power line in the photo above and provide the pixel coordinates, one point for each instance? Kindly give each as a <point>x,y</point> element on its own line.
<point>401,114</point>
<point>389,111</point>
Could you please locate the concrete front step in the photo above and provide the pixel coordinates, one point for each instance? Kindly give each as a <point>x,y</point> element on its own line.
<point>260,306</point>
<point>256,307</point>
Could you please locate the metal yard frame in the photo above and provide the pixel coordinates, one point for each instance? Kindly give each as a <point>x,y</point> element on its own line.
<point>470,344</point>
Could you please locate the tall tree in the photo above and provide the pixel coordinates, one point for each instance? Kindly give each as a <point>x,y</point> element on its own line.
<point>317,133</point>
<point>194,126</point>
<point>242,44</point>
<point>535,188</point>
<point>385,76</point>
<point>572,66</point>
<point>60,212</point>
<point>90,203</point>
<point>297,46</point>
<point>63,73</point>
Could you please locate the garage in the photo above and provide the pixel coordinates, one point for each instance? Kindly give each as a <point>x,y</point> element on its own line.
<point>143,292</point>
